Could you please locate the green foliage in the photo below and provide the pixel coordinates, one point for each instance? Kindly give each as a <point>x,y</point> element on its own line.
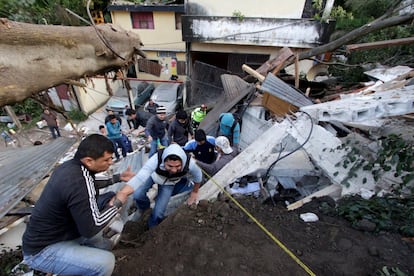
<point>51,12</point>
<point>339,12</point>
<point>388,214</point>
<point>77,115</point>
<point>367,8</point>
<point>364,12</point>
<point>393,271</point>
<point>394,153</point>
<point>9,258</point>
<point>28,106</point>
<point>239,15</point>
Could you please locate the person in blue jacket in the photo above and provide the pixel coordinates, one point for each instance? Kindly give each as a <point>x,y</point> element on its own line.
<point>230,128</point>
<point>113,128</point>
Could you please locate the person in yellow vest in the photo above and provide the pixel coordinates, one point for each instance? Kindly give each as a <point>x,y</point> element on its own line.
<point>197,115</point>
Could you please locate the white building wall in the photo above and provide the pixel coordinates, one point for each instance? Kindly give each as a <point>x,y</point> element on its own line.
<point>251,8</point>
<point>95,94</point>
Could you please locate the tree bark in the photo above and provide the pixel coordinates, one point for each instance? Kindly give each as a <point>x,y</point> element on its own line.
<point>375,25</point>
<point>34,58</point>
<point>357,33</point>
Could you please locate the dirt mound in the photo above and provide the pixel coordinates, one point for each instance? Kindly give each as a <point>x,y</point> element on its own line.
<point>220,239</point>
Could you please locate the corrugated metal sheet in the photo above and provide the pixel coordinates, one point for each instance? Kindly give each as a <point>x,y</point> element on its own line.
<point>284,91</point>
<point>21,169</point>
<point>235,89</point>
<point>206,85</point>
<point>253,126</point>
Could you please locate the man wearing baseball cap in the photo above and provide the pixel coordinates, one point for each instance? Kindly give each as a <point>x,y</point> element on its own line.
<point>156,130</point>
<point>225,153</point>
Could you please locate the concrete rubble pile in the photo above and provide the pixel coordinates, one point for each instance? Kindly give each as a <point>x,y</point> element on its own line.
<point>309,142</point>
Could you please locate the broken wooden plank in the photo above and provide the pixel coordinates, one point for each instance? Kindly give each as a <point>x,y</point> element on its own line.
<point>277,106</point>
<point>379,44</point>
<point>276,63</point>
<point>333,191</point>
<point>253,73</point>
<point>296,71</point>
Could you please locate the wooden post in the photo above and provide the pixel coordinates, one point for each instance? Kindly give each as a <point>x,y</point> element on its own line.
<point>253,73</point>
<point>13,116</point>
<point>297,71</point>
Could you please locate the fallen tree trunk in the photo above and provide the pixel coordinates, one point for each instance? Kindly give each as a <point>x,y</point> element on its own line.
<point>333,45</point>
<point>36,57</point>
<point>357,33</point>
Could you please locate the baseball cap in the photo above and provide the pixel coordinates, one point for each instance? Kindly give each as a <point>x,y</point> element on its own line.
<point>223,143</point>
<point>161,110</point>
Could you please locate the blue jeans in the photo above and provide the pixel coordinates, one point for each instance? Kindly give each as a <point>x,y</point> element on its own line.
<point>72,258</point>
<point>53,129</point>
<point>154,145</point>
<point>82,256</point>
<point>165,192</point>
<point>119,143</point>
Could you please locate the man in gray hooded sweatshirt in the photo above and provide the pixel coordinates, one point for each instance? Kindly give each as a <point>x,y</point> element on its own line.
<point>170,169</point>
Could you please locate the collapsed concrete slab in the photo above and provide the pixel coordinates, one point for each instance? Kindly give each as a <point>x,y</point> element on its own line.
<point>365,107</point>
<point>320,145</point>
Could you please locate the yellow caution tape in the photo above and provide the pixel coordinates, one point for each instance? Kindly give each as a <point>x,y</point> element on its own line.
<point>279,243</point>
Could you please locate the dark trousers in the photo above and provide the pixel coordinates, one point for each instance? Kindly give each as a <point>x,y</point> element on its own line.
<point>53,129</point>
<point>119,143</point>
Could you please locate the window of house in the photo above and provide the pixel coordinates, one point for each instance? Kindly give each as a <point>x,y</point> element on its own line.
<point>178,21</point>
<point>142,20</point>
<point>149,66</point>
<point>166,54</point>
<point>181,67</point>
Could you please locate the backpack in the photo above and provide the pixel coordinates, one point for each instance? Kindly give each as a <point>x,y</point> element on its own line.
<point>167,174</point>
<point>236,120</point>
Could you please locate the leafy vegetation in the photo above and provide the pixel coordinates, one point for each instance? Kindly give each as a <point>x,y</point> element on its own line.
<point>390,214</point>
<point>393,212</point>
<point>239,15</point>
<point>359,13</point>
<point>9,258</point>
<point>393,271</point>
<point>49,11</point>
<point>77,115</point>
<point>393,154</point>
<point>28,106</point>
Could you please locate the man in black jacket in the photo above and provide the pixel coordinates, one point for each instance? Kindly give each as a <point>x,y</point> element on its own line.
<point>156,131</point>
<point>179,129</point>
<point>137,118</point>
<point>64,235</point>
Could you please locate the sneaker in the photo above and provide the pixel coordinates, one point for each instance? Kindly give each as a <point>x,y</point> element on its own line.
<point>115,239</point>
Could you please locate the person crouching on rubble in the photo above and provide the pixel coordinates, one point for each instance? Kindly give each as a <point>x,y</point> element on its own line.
<point>225,153</point>
<point>170,169</point>
<point>64,235</point>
